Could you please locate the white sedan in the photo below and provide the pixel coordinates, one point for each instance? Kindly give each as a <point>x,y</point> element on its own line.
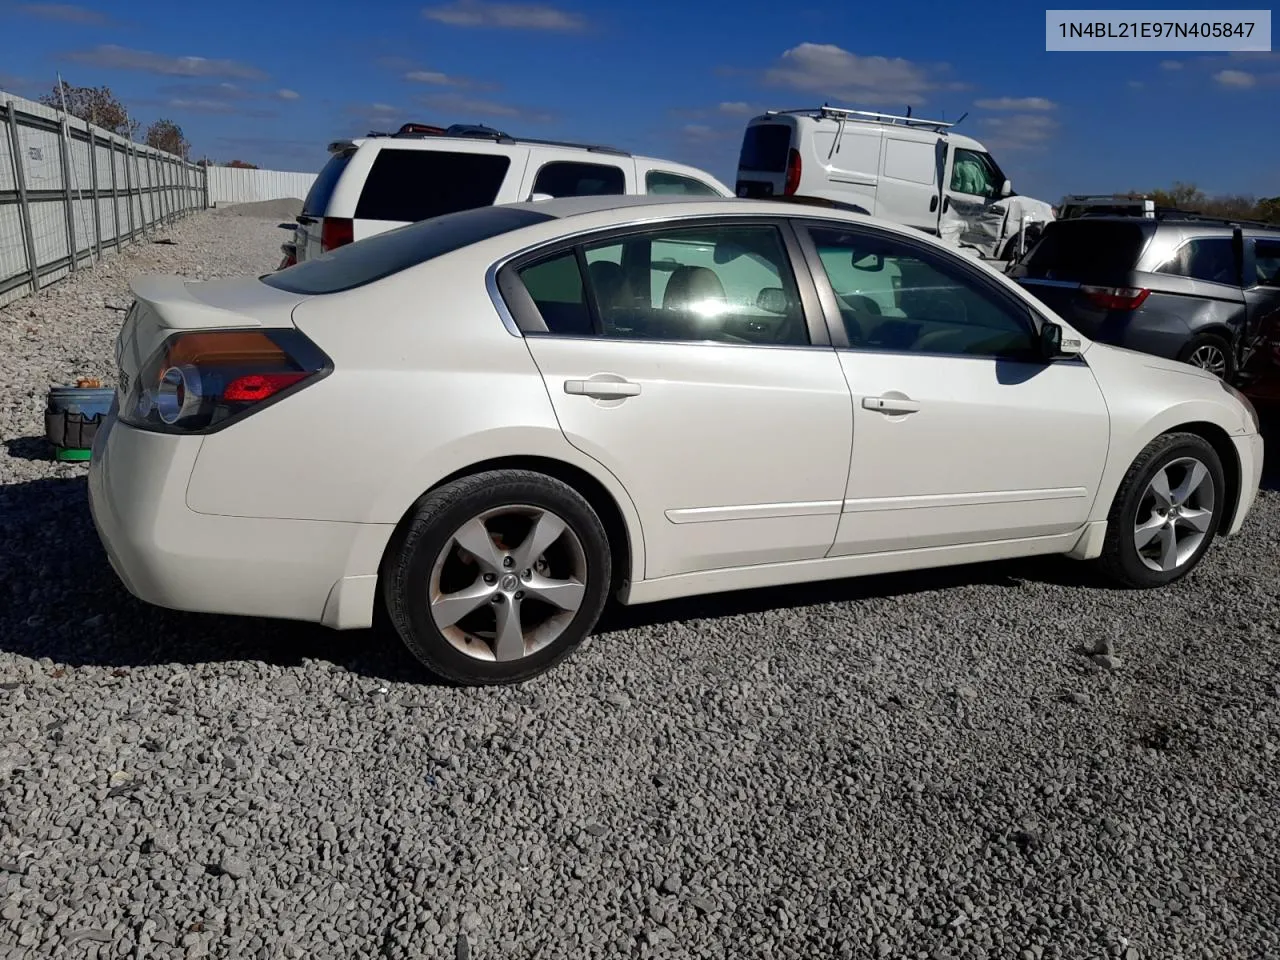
<point>493,421</point>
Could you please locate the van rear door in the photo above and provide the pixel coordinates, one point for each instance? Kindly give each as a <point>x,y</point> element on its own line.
<point>762,162</point>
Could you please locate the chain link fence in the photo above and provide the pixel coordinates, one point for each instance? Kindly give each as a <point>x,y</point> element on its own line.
<point>70,190</point>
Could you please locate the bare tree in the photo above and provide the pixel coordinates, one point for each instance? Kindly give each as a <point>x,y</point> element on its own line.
<point>98,105</point>
<point>167,135</point>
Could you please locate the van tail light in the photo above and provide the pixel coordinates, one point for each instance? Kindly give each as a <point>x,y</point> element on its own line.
<point>199,382</point>
<point>336,232</point>
<point>793,173</point>
<point>1116,298</point>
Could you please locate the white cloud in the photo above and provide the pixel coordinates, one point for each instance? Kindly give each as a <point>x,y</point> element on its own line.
<point>828,71</point>
<point>286,94</point>
<point>111,57</point>
<point>1016,103</point>
<point>1235,78</point>
<point>460,105</point>
<point>510,16</point>
<point>1136,84</point>
<point>700,132</point>
<point>736,108</point>
<point>1171,64</point>
<point>1030,131</point>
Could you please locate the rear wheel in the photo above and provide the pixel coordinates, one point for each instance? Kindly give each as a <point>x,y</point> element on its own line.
<point>1166,512</point>
<point>499,577</point>
<point>1210,352</point>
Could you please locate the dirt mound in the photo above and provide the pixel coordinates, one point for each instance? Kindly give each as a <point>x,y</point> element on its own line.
<point>285,209</point>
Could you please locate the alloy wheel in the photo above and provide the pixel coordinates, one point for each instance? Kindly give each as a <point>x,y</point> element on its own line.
<point>1174,515</point>
<point>1209,356</point>
<point>508,583</point>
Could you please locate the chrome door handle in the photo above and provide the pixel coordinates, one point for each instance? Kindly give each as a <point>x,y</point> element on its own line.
<point>890,404</point>
<point>601,389</point>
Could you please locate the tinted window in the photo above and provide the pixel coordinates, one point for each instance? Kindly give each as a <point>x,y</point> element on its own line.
<point>897,297</point>
<point>1207,258</point>
<point>658,181</point>
<point>386,253</point>
<point>1087,249</point>
<point>555,285</point>
<point>568,179</point>
<point>1267,263</point>
<point>418,184</point>
<point>731,284</point>
<point>317,201</point>
<point>764,148</point>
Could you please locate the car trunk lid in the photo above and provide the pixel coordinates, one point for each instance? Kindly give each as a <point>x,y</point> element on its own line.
<point>164,305</point>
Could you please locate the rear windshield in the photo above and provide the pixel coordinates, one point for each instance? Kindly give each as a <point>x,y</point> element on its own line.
<point>418,184</point>
<point>317,202</point>
<point>383,254</point>
<point>764,148</point>
<point>1076,249</point>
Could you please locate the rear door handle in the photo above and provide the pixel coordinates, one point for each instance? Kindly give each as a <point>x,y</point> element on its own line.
<point>601,389</point>
<point>890,404</point>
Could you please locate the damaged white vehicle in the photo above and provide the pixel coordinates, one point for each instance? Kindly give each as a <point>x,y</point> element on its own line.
<point>905,169</point>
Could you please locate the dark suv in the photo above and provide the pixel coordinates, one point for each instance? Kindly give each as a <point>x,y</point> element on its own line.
<point>1192,289</point>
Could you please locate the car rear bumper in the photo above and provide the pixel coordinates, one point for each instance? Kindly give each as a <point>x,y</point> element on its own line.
<point>169,555</point>
<point>1251,451</point>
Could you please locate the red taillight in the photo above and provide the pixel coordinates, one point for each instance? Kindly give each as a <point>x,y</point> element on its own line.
<point>336,232</point>
<point>198,381</point>
<point>1116,298</point>
<point>793,173</point>
<point>259,386</point>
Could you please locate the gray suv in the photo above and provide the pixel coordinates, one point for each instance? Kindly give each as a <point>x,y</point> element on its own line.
<point>1188,288</point>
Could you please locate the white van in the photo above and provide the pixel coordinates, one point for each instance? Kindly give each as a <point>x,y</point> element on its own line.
<point>893,167</point>
<point>384,181</point>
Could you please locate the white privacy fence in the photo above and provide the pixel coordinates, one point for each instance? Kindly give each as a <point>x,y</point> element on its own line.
<point>69,190</point>
<point>241,185</point>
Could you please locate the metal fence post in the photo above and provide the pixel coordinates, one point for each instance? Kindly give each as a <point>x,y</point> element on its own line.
<point>115,192</point>
<point>24,210</point>
<point>128,191</point>
<point>205,175</point>
<point>93,173</point>
<point>139,188</point>
<point>68,203</point>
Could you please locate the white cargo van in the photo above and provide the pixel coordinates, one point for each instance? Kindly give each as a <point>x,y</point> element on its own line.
<point>906,169</point>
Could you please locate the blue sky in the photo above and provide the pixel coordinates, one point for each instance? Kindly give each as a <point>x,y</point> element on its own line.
<point>273,82</point>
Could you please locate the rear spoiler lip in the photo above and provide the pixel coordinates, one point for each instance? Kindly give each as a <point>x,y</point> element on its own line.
<point>339,146</point>
<point>178,306</point>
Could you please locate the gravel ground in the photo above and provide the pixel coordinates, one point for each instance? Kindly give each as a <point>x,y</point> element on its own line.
<point>927,766</point>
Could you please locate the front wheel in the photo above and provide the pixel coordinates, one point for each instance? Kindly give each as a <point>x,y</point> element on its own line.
<point>498,577</point>
<point>1165,513</point>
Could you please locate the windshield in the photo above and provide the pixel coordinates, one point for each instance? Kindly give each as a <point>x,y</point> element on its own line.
<point>317,201</point>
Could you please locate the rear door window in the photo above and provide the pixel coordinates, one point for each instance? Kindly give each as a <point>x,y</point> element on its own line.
<point>1212,259</point>
<point>416,185</point>
<point>1267,263</point>
<point>317,202</point>
<point>764,148</point>
<point>564,178</point>
<point>661,182</point>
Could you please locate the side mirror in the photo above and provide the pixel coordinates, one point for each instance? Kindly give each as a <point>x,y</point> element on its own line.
<point>871,263</point>
<point>772,300</point>
<point>1006,188</point>
<point>1052,346</point>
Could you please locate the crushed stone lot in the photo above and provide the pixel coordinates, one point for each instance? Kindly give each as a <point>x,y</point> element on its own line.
<point>1007,761</point>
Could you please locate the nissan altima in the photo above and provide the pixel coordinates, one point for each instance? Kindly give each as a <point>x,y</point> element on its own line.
<point>492,422</point>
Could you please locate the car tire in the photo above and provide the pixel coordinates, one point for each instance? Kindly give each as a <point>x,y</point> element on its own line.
<point>1202,350</point>
<point>518,602</point>
<point>1166,512</point>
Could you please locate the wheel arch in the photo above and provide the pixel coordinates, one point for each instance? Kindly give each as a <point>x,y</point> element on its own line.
<point>1220,440</point>
<point>626,554</point>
